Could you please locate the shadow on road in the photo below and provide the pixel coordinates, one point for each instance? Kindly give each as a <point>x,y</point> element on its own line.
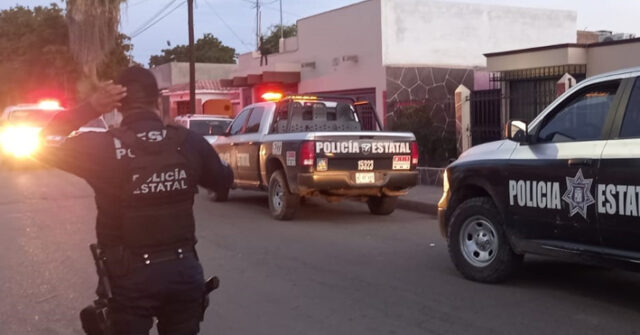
<point>616,287</point>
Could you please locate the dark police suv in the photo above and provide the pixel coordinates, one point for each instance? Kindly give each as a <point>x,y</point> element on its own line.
<point>566,185</point>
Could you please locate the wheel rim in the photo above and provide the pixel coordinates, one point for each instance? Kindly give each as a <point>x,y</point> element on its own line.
<point>479,241</point>
<point>277,197</point>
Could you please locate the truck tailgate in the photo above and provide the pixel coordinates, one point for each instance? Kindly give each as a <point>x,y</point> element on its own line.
<point>365,151</point>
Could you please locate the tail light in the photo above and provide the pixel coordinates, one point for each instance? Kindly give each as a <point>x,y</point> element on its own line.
<point>414,153</point>
<point>307,153</point>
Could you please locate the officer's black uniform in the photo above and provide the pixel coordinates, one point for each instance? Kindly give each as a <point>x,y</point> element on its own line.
<point>144,175</point>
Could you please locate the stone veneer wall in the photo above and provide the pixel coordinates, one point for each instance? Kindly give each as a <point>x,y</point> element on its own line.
<point>432,86</point>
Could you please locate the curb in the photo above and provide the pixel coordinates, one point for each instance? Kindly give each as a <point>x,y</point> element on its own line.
<point>417,206</point>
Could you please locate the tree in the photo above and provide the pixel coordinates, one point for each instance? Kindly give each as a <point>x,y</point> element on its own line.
<point>272,42</point>
<point>36,60</point>
<point>93,31</point>
<point>208,49</point>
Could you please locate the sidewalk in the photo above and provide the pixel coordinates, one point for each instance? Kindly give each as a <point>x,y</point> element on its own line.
<point>422,198</point>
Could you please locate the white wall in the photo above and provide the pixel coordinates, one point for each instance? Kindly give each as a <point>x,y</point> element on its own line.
<point>434,33</point>
<point>607,58</point>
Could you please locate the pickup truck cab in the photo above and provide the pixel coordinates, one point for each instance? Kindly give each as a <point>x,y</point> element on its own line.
<point>565,185</point>
<point>305,146</point>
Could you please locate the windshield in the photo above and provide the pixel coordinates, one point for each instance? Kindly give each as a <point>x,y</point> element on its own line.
<point>31,117</point>
<point>209,127</point>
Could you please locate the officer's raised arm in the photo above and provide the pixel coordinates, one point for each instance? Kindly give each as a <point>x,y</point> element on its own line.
<point>105,98</point>
<point>216,175</point>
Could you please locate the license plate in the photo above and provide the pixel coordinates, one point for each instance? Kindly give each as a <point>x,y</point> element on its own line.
<point>365,177</point>
<point>365,165</point>
<point>401,162</point>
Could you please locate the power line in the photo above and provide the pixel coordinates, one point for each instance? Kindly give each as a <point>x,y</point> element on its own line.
<point>152,18</point>
<point>159,19</point>
<point>226,24</point>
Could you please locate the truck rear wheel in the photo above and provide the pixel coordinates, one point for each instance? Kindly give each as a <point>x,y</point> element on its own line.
<point>383,205</point>
<point>478,244</point>
<point>282,203</point>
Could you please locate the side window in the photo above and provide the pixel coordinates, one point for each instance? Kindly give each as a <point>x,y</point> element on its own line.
<point>254,120</point>
<point>631,122</point>
<point>582,117</point>
<point>238,123</point>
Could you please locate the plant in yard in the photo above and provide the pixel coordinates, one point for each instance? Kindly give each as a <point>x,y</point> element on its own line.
<point>437,144</point>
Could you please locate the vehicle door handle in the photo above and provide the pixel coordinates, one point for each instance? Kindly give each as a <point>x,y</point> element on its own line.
<point>251,142</point>
<point>232,144</point>
<point>580,162</point>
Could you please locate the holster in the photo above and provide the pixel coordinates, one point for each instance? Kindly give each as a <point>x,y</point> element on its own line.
<point>117,261</point>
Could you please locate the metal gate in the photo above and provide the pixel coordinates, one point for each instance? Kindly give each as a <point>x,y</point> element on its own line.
<point>485,116</point>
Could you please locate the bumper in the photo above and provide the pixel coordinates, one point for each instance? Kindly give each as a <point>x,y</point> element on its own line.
<point>443,204</point>
<point>341,180</point>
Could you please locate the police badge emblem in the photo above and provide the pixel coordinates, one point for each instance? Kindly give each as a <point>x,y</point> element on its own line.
<point>578,194</point>
<point>365,148</point>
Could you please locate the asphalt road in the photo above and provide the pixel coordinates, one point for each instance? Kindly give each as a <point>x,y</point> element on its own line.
<point>334,270</point>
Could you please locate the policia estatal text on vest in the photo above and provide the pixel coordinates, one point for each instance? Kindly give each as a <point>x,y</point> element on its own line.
<point>144,175</point>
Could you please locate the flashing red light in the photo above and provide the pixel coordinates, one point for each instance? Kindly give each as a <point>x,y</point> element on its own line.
<point>49,104</point>
<point>414,153</point>
<point>307,153</point>
<point>272,96</point>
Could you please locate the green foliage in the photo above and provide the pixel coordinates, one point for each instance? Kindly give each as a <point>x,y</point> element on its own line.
<point>271,43</point>
<point>208,49</point>
<point>35,56</point>
<point>437,145</point>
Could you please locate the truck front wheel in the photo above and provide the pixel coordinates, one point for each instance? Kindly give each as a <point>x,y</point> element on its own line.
<point>383,205</point>
<point>282,203</point>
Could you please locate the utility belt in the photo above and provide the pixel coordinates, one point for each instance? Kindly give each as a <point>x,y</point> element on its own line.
<point>120,260</point>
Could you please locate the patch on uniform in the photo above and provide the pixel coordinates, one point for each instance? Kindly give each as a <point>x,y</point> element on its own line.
<point>578,194</point>
<point>291,158</point>
<point>276,148</point>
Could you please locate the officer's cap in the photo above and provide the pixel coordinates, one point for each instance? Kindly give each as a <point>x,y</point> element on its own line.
<point>141,85</point>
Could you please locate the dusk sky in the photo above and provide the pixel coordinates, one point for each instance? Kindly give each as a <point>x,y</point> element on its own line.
<point>233,21</point>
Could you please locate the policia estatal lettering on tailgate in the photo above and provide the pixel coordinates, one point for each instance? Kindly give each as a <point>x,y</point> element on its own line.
<point>611,199</point>
<point>354,147</point>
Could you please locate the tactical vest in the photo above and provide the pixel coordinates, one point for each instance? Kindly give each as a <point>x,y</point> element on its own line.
<point>158,190</point>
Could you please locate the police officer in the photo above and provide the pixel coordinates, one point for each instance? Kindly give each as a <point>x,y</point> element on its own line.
<point>145,176</point>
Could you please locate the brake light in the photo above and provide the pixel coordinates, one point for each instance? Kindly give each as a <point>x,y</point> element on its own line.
<point>414,153</point>
<point>307,153</point>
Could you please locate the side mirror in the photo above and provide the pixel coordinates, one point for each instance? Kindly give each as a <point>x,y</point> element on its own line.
<point>517,131</point>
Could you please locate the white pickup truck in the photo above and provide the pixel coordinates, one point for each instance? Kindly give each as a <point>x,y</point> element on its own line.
<point>305,146</point>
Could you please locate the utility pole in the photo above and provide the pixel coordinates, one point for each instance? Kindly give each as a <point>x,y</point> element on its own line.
<point>257,24</point>
<point>192,62</point>
<point>281,27</point>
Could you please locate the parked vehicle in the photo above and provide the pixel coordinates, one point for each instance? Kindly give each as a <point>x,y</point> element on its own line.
<point>565,185</point>
<point>209,126</point>
<point>304,146</point>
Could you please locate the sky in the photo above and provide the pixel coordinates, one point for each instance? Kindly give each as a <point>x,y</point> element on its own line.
<point>234,21</point>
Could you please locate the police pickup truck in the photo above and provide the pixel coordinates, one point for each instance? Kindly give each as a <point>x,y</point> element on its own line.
<point>565,185</point>
<point>304,146</point>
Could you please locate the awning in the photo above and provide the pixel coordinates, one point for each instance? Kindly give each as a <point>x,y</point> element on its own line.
<point>265,77</point>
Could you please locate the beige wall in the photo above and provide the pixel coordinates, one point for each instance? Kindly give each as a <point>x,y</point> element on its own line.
<point>324,39</point>
<point>451,34</point>
<point>607,58</point>
<point>178,73</point>
<point>535,59</point>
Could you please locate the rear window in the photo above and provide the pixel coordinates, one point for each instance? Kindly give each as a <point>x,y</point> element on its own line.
<point>209,127</point>
<point>301,116</point>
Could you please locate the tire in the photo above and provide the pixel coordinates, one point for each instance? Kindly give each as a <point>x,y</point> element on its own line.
<point>383,205</point>
<point>282,203</point>
<point>478,244</point>
<point>219,196</point>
